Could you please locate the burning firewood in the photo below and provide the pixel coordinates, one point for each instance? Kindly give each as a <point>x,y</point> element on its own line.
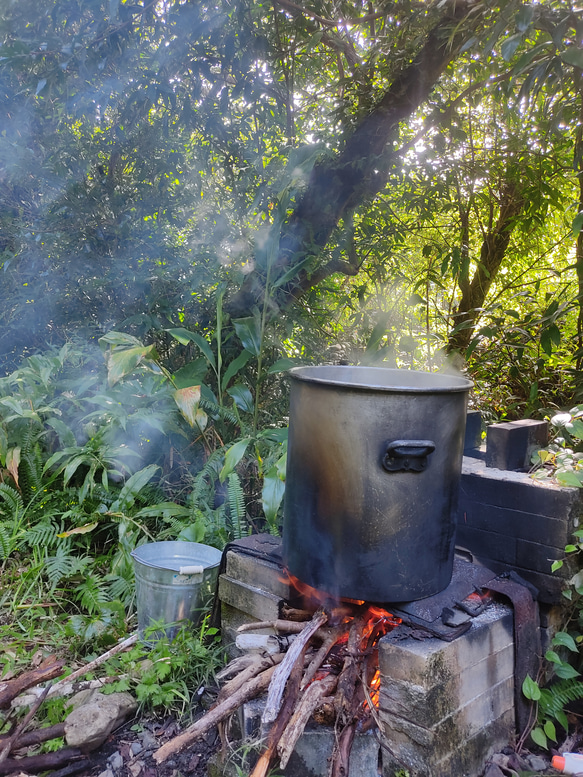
<point>331,682</point>
<point>284,670</point>
<point>310,699</point>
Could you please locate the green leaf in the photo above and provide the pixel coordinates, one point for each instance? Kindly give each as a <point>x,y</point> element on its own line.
<point>272,494</point>
<point>134,485</point>
<point>553,657</point>
<point>509,46</point>
<point>566,671</point>
<point>120,338</point>
<point>530,688</point>
<point>192,374</point>
<point>550,731</point>
<point>242,397</point>
<point>556,565</point>
<point>249,332</point>
<point>123,361</point>
<point>538,737</point>
<point>565,640</point>
<point>293,272</point>
<point>234,366</point>
<point>283,364</point>
<point>573,56</point>
<point>569,478</point>
<point>577,224</point>
<point>524,17</point>
<point>233,456</point>
<point>184,336</point>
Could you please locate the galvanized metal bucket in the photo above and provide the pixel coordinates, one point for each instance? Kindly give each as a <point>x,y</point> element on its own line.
<point>373,470</point>
<point>175,582</point>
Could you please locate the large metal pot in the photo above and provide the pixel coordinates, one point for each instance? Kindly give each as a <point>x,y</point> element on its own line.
<point>374,462</point>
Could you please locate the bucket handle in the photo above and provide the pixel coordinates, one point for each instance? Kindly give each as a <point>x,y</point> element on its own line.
<point>407,455</point>
<point>191,570</point>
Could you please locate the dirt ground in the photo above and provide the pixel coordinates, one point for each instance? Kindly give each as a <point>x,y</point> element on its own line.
<point>128,752</point>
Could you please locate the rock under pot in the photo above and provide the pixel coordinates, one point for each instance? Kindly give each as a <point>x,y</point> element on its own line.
<point>374,463</point>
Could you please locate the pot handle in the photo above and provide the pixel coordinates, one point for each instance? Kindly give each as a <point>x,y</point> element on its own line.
<point>407,455</point>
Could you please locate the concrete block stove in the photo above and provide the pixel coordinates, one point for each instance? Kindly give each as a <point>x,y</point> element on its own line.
<point>446,704</point>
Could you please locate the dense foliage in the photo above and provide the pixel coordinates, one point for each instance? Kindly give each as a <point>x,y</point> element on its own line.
<point>196,195</point>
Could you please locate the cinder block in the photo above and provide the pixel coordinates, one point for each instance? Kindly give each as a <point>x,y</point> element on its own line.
<point>258,603</point>
<point>432,661</point>
<point>438,742</point>
<point>469,758</point>
<point>553,531</point>
<point>537,557</point>
<point>473,436</point>
<point>428,707</point>
<point>509,446</point>
<point>257,572</point>
<point>517,491</point>
<point>314,748</point>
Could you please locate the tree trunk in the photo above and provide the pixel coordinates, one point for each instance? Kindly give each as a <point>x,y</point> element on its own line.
<point>492,253</point>
<point>358,172</point>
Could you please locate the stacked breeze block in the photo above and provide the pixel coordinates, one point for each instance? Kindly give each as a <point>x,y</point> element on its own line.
<point>445,707</point>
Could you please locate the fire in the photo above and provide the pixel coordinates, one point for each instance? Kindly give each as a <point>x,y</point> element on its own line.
<point>375,623</point>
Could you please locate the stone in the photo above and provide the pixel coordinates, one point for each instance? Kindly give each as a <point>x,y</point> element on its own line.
<point>536,762</point>
<point>115,760</point>
<point>88,725</point>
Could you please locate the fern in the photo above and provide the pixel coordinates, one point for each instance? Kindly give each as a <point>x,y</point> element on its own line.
<point>216,411</point>
<point>237,506</point>
<point>63,564</point>
<point>30,469</point>
<point>6,541</point>
<point>208,474</point>
<point>43,535</point>
<point>555,698</point>
<point>12,499</point>
<point>92,594</point>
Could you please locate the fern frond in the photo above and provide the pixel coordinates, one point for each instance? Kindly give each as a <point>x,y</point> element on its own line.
<point>555,698</point>
<point>12,499</point>
<point>44,534</point>
<point>6,541</point>
<point>92,593</point>
<point>216,411</point>
<point>237,511</point>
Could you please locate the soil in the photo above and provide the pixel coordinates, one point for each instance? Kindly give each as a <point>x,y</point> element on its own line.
<point>129,752</point>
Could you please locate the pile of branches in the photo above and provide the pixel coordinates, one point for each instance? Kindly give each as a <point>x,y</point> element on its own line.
<point>326,668</point>
<point>38,682</point>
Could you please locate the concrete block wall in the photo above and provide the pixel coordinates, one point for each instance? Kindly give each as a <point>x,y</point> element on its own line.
<point>445,707</point>
<point>508,521</point>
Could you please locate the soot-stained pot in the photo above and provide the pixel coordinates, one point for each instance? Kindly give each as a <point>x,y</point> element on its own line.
<point>374,463</point>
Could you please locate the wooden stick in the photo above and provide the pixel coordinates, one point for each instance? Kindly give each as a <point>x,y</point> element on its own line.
<point>264,643</point>
<point>285,712</point>
<point>260,665</point>
<point>64,689</point>
<point>341,755</point>
<point>235,666</point>
<point>284,627</point>
<point>310,699</point>
<point>13,739</point>
<point>37,736</point>
<point>284,669</point>
<point>320,655</point>
<point>217,713</point>
<point>293,614</point>
<point>10,689</point>
<point>348,679</point>
<point>119,648</point>
<point>41,763</point>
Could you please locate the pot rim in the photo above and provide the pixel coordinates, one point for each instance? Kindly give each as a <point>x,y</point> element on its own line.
<point>393,380</point>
